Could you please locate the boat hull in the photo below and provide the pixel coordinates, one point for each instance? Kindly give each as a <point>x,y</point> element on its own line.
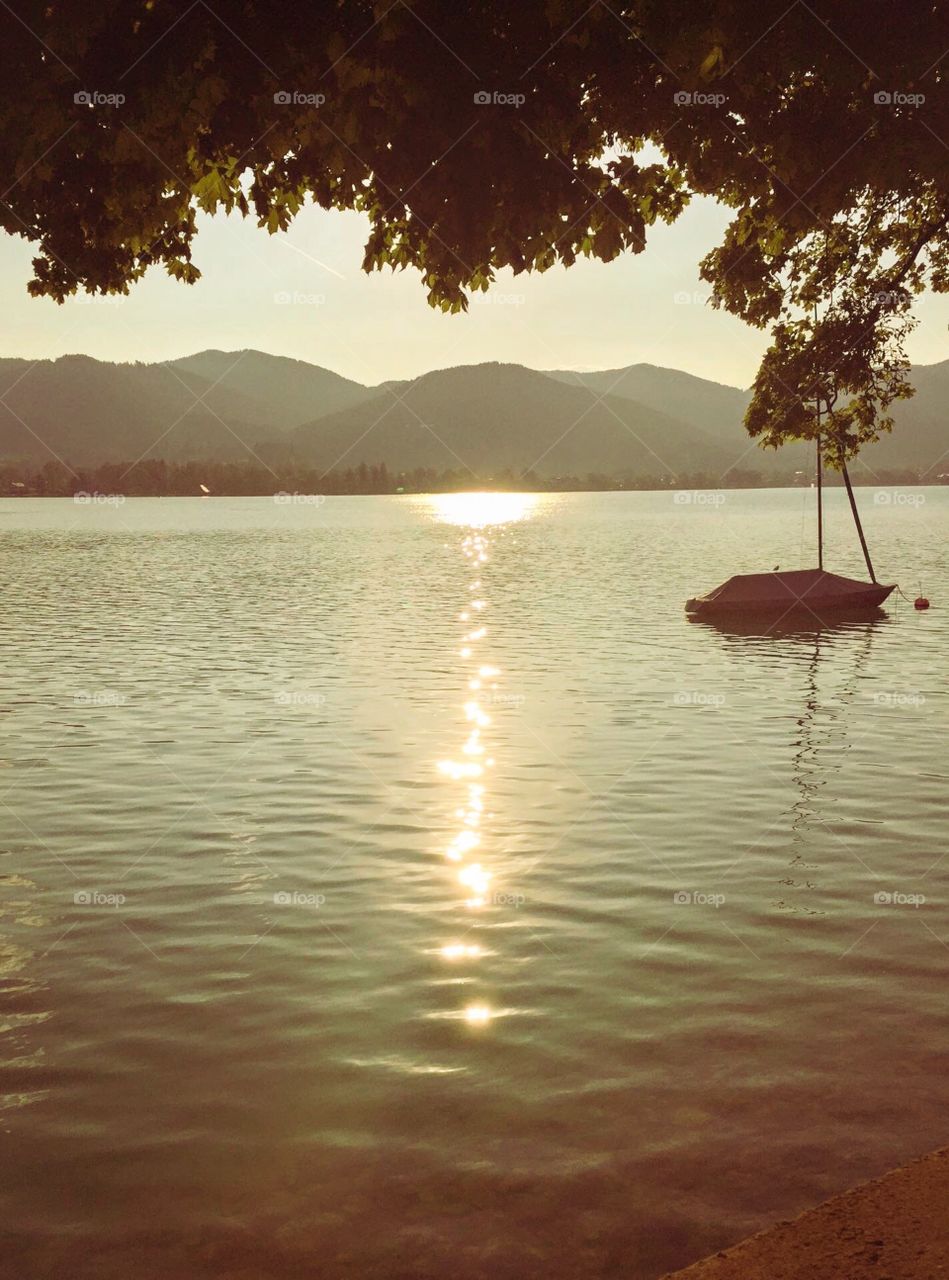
<point>801,591</point>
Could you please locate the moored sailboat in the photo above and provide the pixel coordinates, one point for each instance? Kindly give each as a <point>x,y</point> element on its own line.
<point>813,591</point>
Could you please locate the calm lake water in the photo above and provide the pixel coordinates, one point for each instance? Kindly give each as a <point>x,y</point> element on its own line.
<point>402,887</point>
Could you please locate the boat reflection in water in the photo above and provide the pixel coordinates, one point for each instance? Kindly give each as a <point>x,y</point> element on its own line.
<point>822,737</point>
<point>470,769</point>
<point>803,624</point>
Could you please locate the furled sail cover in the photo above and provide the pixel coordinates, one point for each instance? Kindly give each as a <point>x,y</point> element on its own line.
<point>798,588</point>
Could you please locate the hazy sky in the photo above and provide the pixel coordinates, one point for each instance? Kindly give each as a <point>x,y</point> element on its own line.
<point>305,295</point>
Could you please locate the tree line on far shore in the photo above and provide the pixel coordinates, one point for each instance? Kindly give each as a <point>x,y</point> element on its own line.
<point>154,477</point>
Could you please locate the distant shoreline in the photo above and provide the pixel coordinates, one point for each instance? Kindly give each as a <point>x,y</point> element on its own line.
<point>185,480</point>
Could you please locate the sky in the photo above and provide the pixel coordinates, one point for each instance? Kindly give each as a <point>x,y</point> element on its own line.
<point>304,294</point>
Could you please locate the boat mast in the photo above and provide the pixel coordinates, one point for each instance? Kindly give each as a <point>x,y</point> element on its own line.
<point>856,519</point>
<point>820,477</point>
<point>820,497</point>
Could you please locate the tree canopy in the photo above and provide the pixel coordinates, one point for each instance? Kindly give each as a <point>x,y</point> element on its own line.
<point>493,134</point>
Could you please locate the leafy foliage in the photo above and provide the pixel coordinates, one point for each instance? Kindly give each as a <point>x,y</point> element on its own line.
<point>489,135</point>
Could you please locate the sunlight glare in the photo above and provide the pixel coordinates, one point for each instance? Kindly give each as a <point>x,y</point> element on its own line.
<point>476,510</point>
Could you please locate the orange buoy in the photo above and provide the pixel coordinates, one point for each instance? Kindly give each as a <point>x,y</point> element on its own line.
<point>920,603</point>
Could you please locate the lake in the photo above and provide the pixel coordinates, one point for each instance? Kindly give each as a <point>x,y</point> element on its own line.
<point>403,887</point>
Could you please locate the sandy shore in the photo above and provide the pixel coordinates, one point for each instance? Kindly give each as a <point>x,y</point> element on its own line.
<point>894,1228</point>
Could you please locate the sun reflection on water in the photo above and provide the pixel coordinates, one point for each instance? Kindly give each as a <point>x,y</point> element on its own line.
<point>479,510</point>
<point>475,512</point>
<point>461,950</point>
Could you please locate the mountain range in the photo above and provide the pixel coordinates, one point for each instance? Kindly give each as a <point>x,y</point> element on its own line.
<point>642,420</point>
